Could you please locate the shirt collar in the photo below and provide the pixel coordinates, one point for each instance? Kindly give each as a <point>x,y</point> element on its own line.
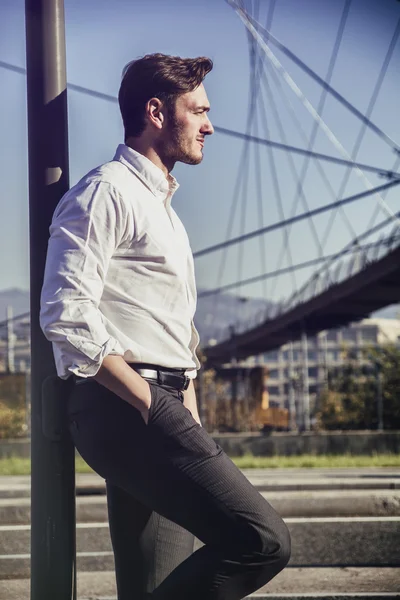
<point>147,171</point>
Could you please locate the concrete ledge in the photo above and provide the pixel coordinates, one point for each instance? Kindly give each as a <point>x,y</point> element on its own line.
<point>362,503</point>
<point>282,444</point>
<point>324,442</point>
<point>265,480</point>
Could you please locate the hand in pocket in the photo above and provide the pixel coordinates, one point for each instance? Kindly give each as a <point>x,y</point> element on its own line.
<point>146,411</point>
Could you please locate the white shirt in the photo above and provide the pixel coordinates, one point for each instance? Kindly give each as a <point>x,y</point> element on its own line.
<point>119,276</point>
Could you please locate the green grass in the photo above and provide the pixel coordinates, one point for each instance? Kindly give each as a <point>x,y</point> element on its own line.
<point>312,461</point>
<point>21,466</point>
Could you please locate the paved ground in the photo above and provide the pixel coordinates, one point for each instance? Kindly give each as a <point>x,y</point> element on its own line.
<point>348,491</point>
<point>327,581</point>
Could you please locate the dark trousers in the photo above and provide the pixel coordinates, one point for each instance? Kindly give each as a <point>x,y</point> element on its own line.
<point>167,482</point>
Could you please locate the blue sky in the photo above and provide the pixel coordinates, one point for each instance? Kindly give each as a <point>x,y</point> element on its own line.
<point>103,36</point>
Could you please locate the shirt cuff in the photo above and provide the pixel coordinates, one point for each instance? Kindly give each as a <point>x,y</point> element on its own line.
<point>96,355</point>
<point>191,373</point>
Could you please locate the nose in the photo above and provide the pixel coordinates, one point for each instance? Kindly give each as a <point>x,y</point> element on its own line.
<point>207,128</point>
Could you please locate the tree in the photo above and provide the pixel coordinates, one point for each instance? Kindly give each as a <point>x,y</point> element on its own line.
<point>350,400</point>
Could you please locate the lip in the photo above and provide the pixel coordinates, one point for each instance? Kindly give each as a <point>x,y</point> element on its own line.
<point>201,143</point>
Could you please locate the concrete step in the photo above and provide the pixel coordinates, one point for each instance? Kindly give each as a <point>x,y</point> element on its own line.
<point>295,583</point>
<point>268,480</point>
<point>316,542</point>
<point>342,503</point>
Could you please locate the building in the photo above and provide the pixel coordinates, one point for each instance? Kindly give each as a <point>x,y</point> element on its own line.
<point>305,363</point>
<point>15,347</point>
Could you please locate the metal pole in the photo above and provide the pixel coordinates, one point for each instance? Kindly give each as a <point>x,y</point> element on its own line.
<point>379,398</point>
<point>234,377</point>
<point>10,341</point>
<point>306,395</point>
<point>292,401</point>
<point>52,452</point>
<point>325,361</point>
<point>234,392</point>
<point>201,395</point>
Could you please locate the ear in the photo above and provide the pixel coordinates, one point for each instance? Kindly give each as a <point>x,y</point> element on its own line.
<point>155,112</point>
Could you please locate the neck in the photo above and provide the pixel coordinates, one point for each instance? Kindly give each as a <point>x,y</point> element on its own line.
<point>150,151</point>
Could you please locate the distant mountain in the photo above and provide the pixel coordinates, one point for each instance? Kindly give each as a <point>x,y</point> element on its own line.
<point>214,313</point>
<point>217,312</point>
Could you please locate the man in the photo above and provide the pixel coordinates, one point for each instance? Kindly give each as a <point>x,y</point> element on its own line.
<point>118,303</point>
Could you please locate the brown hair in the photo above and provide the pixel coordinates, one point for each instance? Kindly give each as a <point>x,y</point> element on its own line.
<point>157,76</point>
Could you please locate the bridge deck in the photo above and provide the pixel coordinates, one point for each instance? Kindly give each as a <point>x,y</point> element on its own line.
<point>372,288</point>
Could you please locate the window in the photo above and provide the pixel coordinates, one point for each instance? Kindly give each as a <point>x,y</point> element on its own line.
<point>271,356</point>
<point>274,373</point>
<point>332,355</point>
<point>312,355</point>
<point>349,335</point>
<point>313,372</point>
<point>273,390</point>
<point>331,336</point>
<point>369,334</point>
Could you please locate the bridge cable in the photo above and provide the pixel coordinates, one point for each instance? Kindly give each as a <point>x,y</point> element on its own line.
<point>395,168</point>
<point>250,122</point>
<point>363,129</point>
<point>302,151</point>
<point>312,212</point>
<point>285,75</point>
<point>344,250</point>
<point>242,178</point>
<point>257,159</point>
<point>259,196</point>
<point>278,272</point>
<point>242,167</point>
<point>225,131</point>
<point>298,266</point>
<point>349,247</point>
<point>325,180</point>
<point>271,157</point>
<point>320,108</point>
<point>258,27</point>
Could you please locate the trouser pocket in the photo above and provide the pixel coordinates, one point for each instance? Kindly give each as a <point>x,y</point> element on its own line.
<point>153,396</point>
<point>175,433</point>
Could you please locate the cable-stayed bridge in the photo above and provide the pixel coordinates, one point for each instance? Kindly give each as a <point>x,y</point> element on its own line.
<point>358,278</point>
<point>352,265</point>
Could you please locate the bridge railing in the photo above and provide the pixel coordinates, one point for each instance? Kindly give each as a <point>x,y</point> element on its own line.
<point>351,263</point>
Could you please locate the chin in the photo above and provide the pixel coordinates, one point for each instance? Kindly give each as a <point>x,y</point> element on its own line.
<point>192,159</point>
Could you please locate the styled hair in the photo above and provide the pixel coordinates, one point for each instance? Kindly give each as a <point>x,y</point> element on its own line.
<point>157,76</point>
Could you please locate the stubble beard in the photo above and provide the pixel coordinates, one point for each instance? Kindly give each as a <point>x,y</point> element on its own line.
<point>176,147</point>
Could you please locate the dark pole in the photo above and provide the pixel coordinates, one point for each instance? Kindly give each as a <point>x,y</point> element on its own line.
<point>379,394</point>
<point>53,476</point>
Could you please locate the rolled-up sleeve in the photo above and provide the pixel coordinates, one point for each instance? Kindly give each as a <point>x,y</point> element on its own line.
<point>87,227</point>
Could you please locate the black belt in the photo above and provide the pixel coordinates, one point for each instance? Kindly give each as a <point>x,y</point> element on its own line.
<point>175,378</point>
